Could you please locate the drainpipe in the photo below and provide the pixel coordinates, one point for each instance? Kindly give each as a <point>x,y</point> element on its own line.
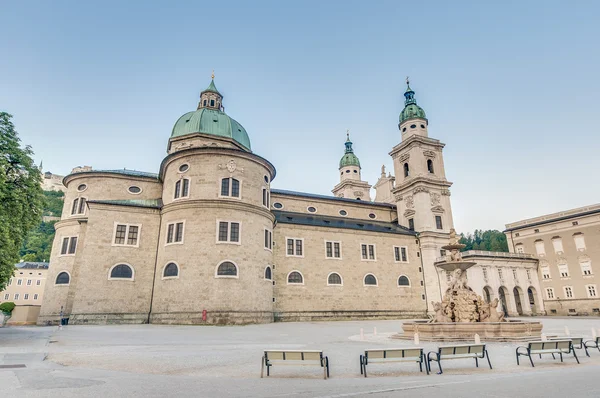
<point>155,265</point>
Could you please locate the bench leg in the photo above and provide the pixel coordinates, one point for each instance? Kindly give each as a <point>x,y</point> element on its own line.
<point>530,359</point>
<point>361,364</point>
<point>327,361</point>
<point>439,364</point>
<point>476,362</point>
<point>421,366</point>
<point>487,355</point>
<point>586,351</point>
<point>425,362</point>
<point>268,369</point>
<point>553,357</point>
<point>262,367</point>
<point>575,355</point>
<point>561,358</point>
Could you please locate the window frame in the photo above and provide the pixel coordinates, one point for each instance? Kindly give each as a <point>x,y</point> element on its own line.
<point>178,194</point>
<point>110,278</point>
<point>400,254</point>
<point>265,273</point>
<point>368,253</point>
<point>588,266</point>
<point>295,247</point>
<point>287,278</point>
<point>229,241</point>
<point>335,284</point>
<point>163,277</point>
<point>407,278</point>
<point>373,275</point>
<point>127,226</point>
<point>266,197</point>
<point>570,290</point>
<point>333,242</point>
<point>441,222</point>
<point>35,296</point>
<point>551,291</point>
<point>587,291</point>
<point>62,284</point>
<point>230,188</point>
<point>237,270</point>
<point>174,223</point>
<point>558,244</point>
<point>560,273</point>
<point>69,244</point>
<point>579,237</point>
<point>76,205</point>
<point>269,237</point>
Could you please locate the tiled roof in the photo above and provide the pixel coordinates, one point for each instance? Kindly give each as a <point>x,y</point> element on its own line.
<point>284,217</point>
<point>149,203</point>
<point>32,265</point>
<point>126,172</point>
<point>316,196</point>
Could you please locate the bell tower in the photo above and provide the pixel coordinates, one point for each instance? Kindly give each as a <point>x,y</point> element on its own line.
<point>421,192</point>
<point>351,186</point>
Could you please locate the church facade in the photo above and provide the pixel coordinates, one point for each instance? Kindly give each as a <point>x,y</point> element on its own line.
<point>206,240</point>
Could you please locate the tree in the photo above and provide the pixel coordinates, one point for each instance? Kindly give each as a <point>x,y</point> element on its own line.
<point>21,198</point>
<point>490,240</point>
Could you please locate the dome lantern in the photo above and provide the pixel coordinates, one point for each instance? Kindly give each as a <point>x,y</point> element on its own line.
<point>349,158</point>
<point>411,109</point>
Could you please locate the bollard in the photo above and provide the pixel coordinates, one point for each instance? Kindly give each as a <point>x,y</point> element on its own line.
<point>362,334</point>
<point>375,331</point>
<point>477,339</point>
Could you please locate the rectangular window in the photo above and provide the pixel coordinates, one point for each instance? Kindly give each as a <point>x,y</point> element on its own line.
<point>19,282</point>
<point>586,267</point>
<point>6,296</point>
<point>230,187</point>
<point>564,270</point>
<point>228,231</point>
<point>128,235</point>
<point>26,296</point>
<point>16,296</point>
<point>223,231</point>
<point>579,242</point>
<point>235,232</point>
<point>575,223</point>
<point>411,224</point>
<point>75,206</point>
<point>549,293</point>
<point>568,292</point>
<point>333,250</point>
<point>591,291</point>
<point>368,252</point>
<point>485,274</point>
<point>177,189</point>
<point>438,222</point>
<point>265,200</point>
<point>545,272</point>
<point>82,205</point>
<point>65,246</point>
<point>175,233</point>
<point>38,282</point>
<point>400,254</point>
<point>235,188</point>
<point>268,239</point>
<point>225,187</point>
<point>295,247</point>
<point>520,249</point>
<point>539,248</point>
<point>10,282</point>
<point>186,188</point>
<point>35,296</point>
<point>29,282</point>
<point>73,245</point>
<point>558,246</point>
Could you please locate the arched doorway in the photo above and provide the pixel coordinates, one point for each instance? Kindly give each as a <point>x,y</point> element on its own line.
<point>517,294</point>
<point>531,293</point>
<point>502,298</point>
<point>487,294</point>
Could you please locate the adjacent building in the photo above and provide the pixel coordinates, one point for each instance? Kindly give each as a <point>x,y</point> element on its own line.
<point>567,245</point>
<point>26,290</point>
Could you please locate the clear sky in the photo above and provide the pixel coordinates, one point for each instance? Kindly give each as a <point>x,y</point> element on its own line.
<point>511,87</point>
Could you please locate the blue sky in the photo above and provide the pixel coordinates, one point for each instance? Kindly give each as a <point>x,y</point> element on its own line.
<point>511,87</point>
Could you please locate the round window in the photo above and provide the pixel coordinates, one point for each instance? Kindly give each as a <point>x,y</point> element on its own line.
<point>184,167</point>
<point>135,190</point>
<point>82,187</point>
<point>413,126</point>
<point>372,215</point>
<point>404,129</point>
<point>312,209</point>
<point>343,213</point>
<point>277,205</point>
<point>422,126</point>
<point>266,179</point>
<point>355,171</point>
<point>347,171</point>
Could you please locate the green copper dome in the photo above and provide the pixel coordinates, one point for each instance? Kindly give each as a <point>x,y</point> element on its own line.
<point>411,109</point>
<point>212,122</point>
<point>349,158</point>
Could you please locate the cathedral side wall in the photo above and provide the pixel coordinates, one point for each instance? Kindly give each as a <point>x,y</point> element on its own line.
<point>315,300</point>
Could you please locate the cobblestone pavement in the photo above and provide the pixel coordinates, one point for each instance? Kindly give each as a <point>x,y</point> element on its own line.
<point>207,361</point>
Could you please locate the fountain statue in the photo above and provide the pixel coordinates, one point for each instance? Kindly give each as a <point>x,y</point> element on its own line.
<point>461,303</point>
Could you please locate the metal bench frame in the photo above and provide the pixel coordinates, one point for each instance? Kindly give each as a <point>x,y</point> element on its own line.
<point>297,357</point>
<point>578,343</point>
<point>553,348</point>
<point>438,356</point>
<point>364,359</point>
<point>592,344</point>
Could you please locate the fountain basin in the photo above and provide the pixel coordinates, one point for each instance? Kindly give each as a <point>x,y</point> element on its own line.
<point>511,330</point>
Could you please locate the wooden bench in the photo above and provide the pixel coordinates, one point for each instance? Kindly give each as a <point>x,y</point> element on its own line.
<point>592,344</point>
<point>577,343</point>
<point>562,346</point>
<point>461,351</point>
<point>384,355</point>
<point>294,357</point>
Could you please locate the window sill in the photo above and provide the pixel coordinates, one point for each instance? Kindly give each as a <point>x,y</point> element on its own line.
<point>333,258</point>
<point>588,276</point>
<point>174,243</point>
<point>118,245</point>
<point>169,277</point>
<point>228,243</point>
<point>293,255</point>
<point>368,260</point>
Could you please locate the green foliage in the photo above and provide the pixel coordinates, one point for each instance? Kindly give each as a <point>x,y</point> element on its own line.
<point>38,244</point>
<point>21,197</point>
<point>7,307</point>
<point>490,240</point>
<point>53,203</point>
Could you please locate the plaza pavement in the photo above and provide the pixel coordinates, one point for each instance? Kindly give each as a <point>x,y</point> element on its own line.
<point>209,361</point>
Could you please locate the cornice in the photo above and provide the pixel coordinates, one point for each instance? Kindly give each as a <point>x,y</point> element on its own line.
<point>422,181</point>
<point>416,141</point>
<point>217,204</point>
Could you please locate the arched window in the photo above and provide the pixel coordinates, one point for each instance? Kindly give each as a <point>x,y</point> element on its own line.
<point>204,102</point>
<point>227,269</point>
<point>430,166</point>
<point>268,273</point>
<point>121,271</point>
<point>212,102</point>
<point>295,278</point>
<point>63,278</point>
<point>171,270</point>
<point>370,280</point>
<point>334,279</point>
<point>406,170</point>
<point>403,281</point>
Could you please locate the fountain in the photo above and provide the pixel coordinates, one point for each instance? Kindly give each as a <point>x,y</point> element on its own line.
<point>463,313</point>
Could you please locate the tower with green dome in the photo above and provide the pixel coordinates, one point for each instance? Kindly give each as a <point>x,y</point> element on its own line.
<point>351,186</point>
<point>412,119</point>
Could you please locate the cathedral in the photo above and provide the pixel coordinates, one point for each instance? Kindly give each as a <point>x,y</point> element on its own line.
<point>207,241</point>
